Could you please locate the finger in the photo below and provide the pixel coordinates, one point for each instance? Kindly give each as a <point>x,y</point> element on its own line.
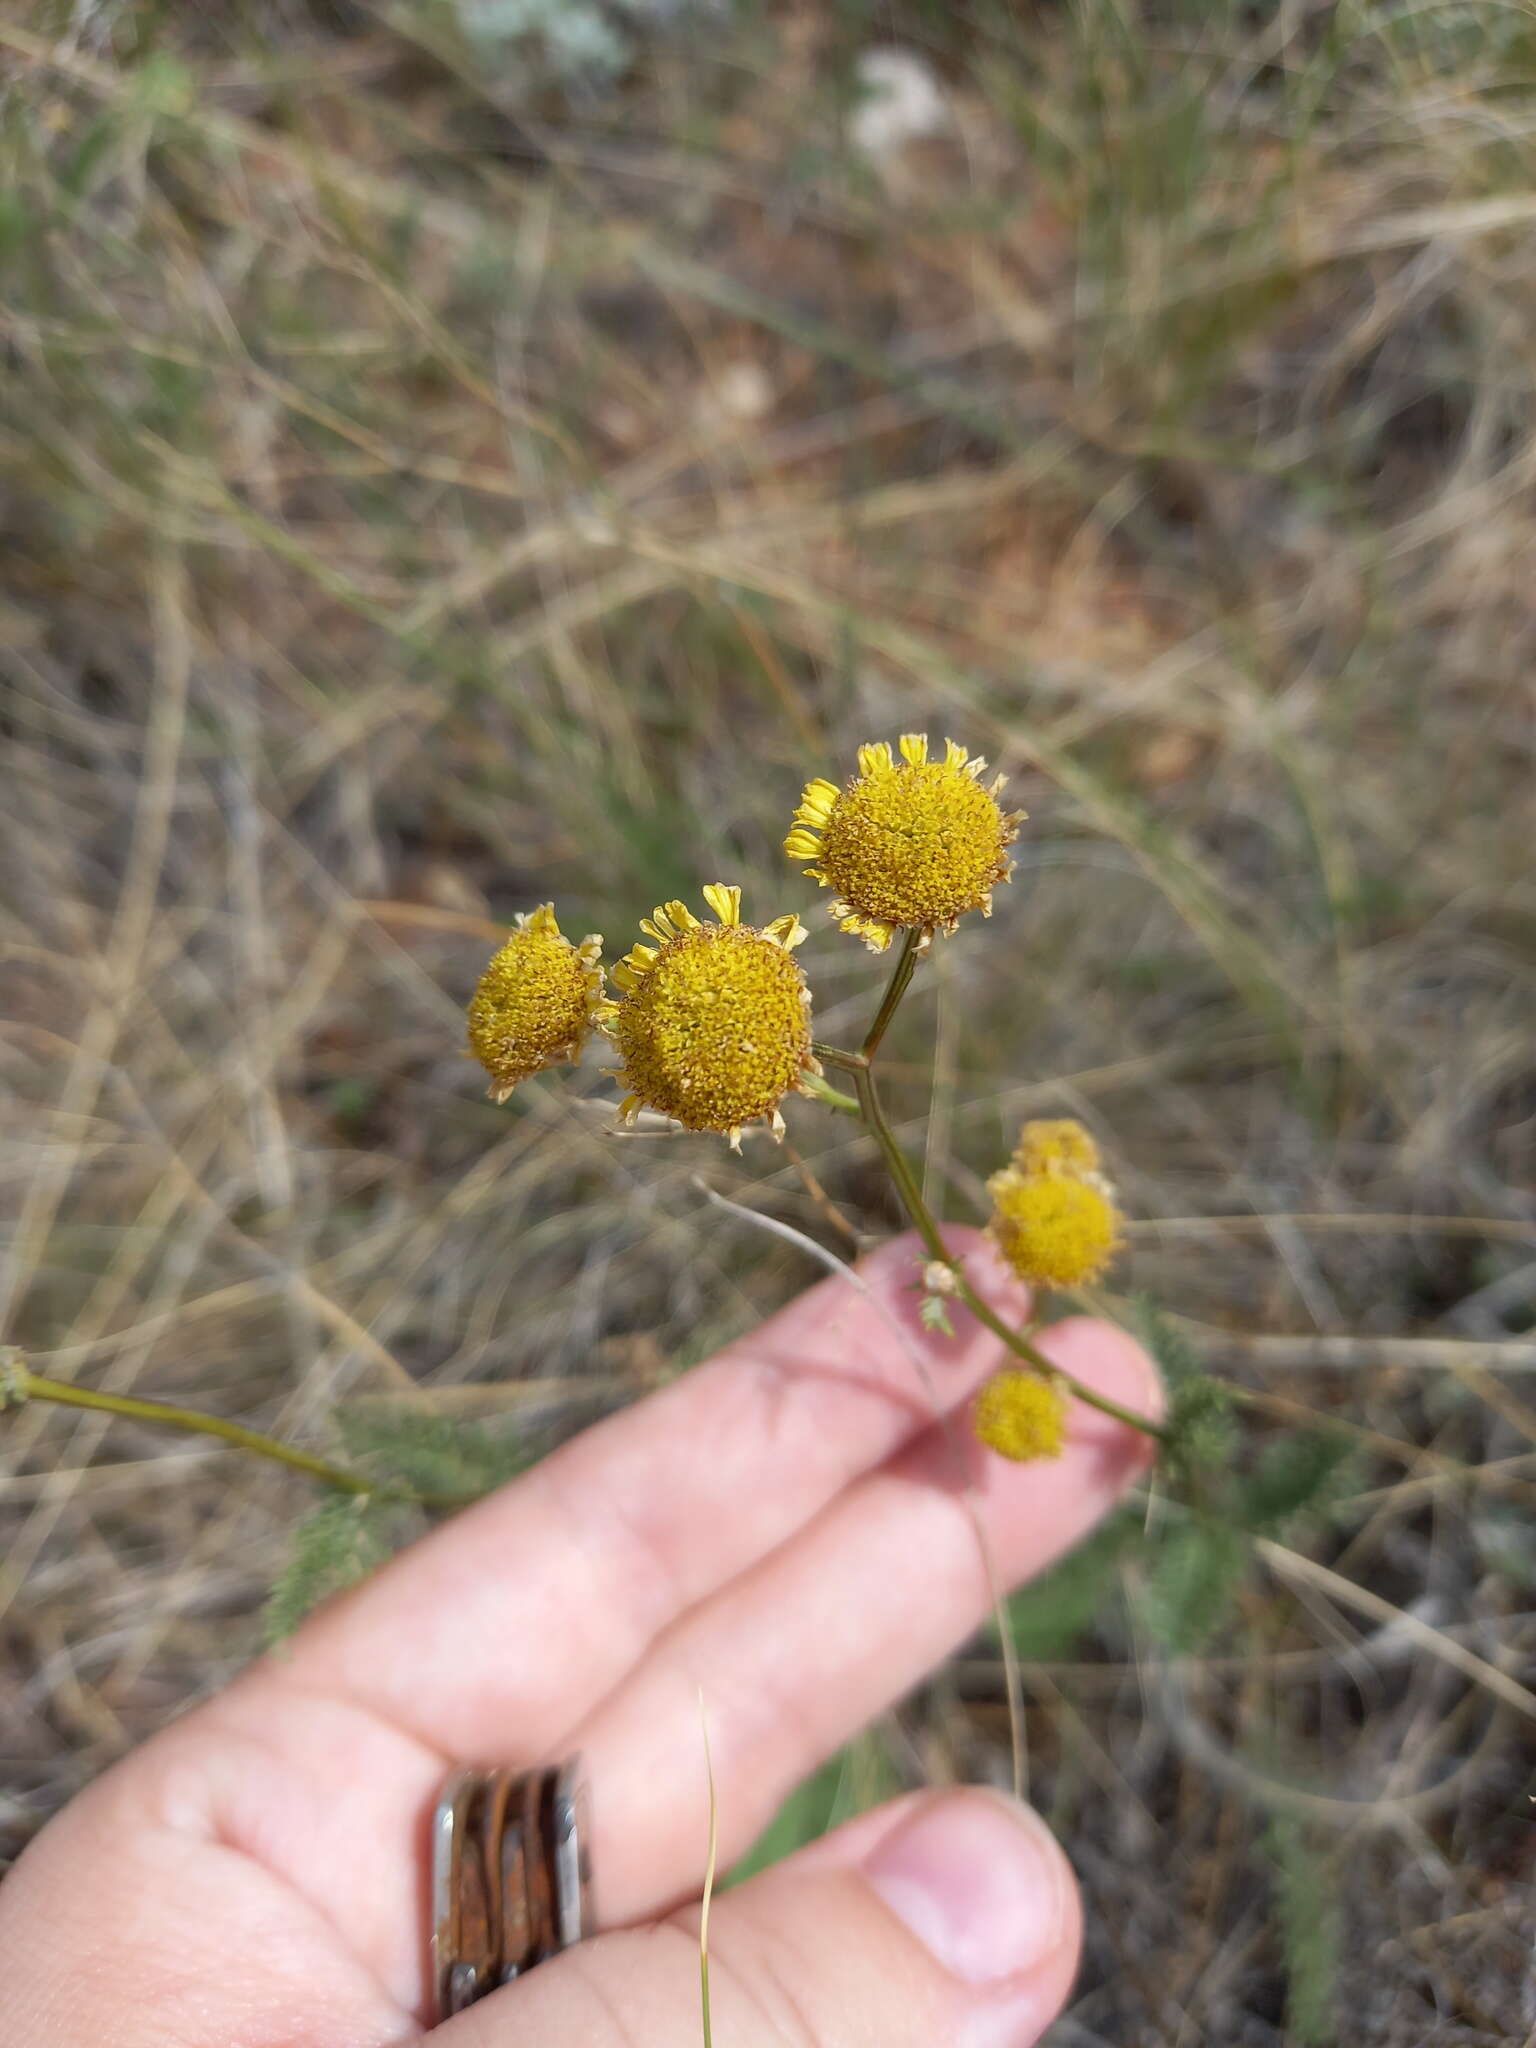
<point>800,1652</point>
<point>597,1550</point>
<point>952,1918</point>
<point>492,1639</point>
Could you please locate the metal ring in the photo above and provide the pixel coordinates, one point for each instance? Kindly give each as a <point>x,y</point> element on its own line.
<point>511,1877</point>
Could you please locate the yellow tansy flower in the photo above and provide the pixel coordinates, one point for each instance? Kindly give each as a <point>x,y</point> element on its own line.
<point>1022,1416</point>
<point>909,845</point>
<point>712,1024</point>
<point>1054,1229</point>
<point>1056,1145</point>
<point>535,1002</point>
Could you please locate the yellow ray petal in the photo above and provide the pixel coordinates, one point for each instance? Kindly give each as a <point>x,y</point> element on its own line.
<point>724,901</point>
<point>787,931</point>
<point>914,748</point>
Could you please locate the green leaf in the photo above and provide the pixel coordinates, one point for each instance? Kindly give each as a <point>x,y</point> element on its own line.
<point>857,1777</point>
<point>933,1314</point>
<point>1200,1424</point>
<point>90,150</point>
<point>340,1543</point>
<point>1048,1617</point>
<point>433,1454</point>
<point>1177,1359</point>
<point>1296,1475</point>
<point>1201,1428</point>
<point>1309,1917</point>
<point>163,87</point>
<point>1191,1583</point>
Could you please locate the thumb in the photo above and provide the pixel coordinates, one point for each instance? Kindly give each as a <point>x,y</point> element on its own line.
<point>946,1917</point>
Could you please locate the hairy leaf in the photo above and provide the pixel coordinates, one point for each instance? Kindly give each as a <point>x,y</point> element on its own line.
<point>1296,1475</point>
<point>1190,1586</point>
<point>341,1542</point>
<point>1308,1914</point>
<point>437,1455</point>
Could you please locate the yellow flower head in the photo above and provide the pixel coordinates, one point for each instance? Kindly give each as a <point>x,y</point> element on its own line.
<point>910,844</point>
<point>1056,1145</point>
<point>713,1021</point>
<point>535,1002</point>
<point>1054,1229</point>
<point>1022,1416</point>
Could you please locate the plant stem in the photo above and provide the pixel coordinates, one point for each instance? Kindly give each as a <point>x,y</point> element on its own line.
<point>837,1056</point>
<point>896,988</point>
<point>860,1065</point>
<point>834,1098</point>
<point>31,1386</point>
<point>912,1201</point>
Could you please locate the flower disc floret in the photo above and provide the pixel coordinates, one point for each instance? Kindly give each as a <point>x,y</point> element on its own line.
<point>1022,1416</point>
<point>712,1024</point>
<point>535,1002</point>
<point>908,844</point>
<point>1054,1229</point>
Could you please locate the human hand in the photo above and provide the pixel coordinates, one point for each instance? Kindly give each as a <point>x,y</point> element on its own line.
<point>782,1529</point>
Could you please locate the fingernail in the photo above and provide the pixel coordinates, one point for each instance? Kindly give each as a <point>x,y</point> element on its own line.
<point>979,1880</point>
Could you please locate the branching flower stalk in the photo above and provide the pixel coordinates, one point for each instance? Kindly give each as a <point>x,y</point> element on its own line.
<point>710,1024</point>
<point>860,1066</point>
<point>18,1383</point>
<point>21,1384</point>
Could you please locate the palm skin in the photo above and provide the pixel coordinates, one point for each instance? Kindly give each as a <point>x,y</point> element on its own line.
<point>785,1530</point>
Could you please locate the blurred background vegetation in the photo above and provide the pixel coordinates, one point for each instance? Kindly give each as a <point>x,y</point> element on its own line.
<point>460,452</point>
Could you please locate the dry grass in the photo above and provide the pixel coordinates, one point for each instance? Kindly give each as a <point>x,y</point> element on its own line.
<point>423,496</point>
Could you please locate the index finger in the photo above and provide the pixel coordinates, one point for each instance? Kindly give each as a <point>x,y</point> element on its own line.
<point>502,1629</point>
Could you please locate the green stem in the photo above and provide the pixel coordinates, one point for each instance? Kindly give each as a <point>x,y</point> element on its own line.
<point>837,1056</point>
<point>928,1230</point>
<point>899,1166</point>
<point>22,1385</point>
<point>896,988</point>
<point>834,1098</point>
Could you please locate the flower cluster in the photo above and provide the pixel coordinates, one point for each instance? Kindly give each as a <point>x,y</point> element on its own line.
<point>1053,1212</point>
<point>711,1022</point>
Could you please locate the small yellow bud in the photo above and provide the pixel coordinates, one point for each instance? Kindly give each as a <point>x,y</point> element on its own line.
<point>1053,1228</point>
<point>1022,1416</point>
